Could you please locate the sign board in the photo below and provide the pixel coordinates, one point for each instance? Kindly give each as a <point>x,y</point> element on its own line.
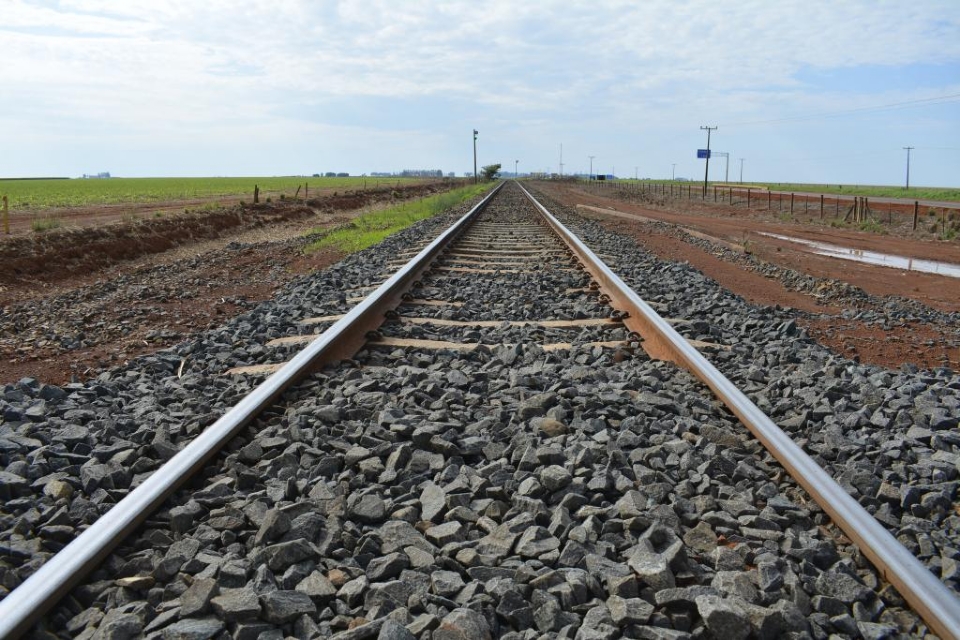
<point>703,153</point>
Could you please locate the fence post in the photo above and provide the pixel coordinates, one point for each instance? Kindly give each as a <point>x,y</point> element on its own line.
<point>943,221</point>
<point>791,204</point>
<point>821,206</point>
<point>768,200</point>
<point>6,217</point>
<point>714,194</point>
<point>748,198</point>
<point>916,212</point>
<point>256,194</point>
<point>837,214</point>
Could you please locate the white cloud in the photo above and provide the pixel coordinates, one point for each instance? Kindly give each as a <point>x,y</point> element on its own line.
<point>142,68</point>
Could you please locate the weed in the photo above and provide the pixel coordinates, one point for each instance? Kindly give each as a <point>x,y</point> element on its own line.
<point>837,223</point>
<point>269,200</point>
<point>373,227</point>
<point>158,214</point>
<point>785,217</point>
<point>949,234</point>
<point>872,226</point>
<point>45,224</point>
<point>934,227</point>
<point>931,212</point>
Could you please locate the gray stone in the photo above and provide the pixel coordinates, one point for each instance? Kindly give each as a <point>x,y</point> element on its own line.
<point>843,587</point>
<point>387,567</point>
<point>196,599</point>
<point>554,478</point>
<point>445,533</point>
<point>280,556</point>
<point>393,630</point>
<point>463,624</point>
<point>627,611</point>
<point>192,629</point>
<point>275,524</point>
<point>280,607</point>
<point>535,542</point>
<point>433,501</point>
<point>236,604</point>
<point>652,569</point>
<point>369,509</point>
<point>723,617</point>
<point>446,583</point>
<point>317,586</point>
<point>701,538</point>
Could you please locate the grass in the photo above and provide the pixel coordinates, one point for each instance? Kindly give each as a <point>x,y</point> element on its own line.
<point>373,227</point>
<point>45,224</point>
<point>947,194</point>
<point>871,191</point>
<point>41,194</point>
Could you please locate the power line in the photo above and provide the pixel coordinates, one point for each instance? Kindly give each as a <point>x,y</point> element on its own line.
<point>834,114</point>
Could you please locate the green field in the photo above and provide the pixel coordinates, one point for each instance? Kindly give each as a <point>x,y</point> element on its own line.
<point>371,228</point>
<point>44,194</point>
<point>945,194</point>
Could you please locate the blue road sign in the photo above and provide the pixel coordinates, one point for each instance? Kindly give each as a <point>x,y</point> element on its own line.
<point>703,153</point>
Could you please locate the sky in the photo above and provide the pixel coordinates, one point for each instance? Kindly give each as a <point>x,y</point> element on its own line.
<point>802,90</point>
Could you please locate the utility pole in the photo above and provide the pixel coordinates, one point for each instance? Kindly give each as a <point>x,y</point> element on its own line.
<point>515,174</point>
<point>741,170</point>
<point>673,173</point>
<point>591,166</point>
<point>706,171</point>
<point>908,165</point>
<point>475,179</point>
<point>561,160</point>
<point>636,172</point>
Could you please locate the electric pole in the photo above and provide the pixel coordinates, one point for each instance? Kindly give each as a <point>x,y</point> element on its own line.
<point>673,173</point>
<point>706,171</point>
<point>475,179</point>
<point>591,166</point>
<point>741,170</point>
<point>636,172</point>
<point>908,165</point>
<point>515,174</point>
<point>561,160</point>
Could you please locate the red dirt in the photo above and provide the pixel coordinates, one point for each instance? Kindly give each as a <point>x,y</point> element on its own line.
<point>76,301</point>
<point>927,345</point>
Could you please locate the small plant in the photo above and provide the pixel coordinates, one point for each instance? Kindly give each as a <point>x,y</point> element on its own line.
<point>949,234</point>
<point>838,224</point>
<point>872,226</point>
<point>931,212</point>
<point>282,197</point>
<point>158,214</point>
<point>269,200</point>
<point>933,227</point>
<point>45,224</point>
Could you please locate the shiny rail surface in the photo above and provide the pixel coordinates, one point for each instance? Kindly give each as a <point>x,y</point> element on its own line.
<point>935,602</point>
<point>28,602</point>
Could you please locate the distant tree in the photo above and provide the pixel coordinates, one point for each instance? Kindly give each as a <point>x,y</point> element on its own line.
<point>491,172</point>
<point>330,174</point>
<point>343,174</point>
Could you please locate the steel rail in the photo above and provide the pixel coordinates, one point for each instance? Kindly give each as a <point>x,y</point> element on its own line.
<point>938,605</point>
<point>28,602</point>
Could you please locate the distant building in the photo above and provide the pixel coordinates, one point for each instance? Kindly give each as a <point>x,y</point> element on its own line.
<point>101,175</point>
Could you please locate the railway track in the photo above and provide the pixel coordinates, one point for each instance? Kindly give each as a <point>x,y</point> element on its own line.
<point>497,437</point>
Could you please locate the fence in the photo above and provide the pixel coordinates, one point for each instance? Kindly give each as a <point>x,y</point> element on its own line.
<point>838,210</point>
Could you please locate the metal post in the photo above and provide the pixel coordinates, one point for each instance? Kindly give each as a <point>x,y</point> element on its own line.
<point>748,195</point>
<point>741,170</point>
<point>706,171</point>
<point>769,196</point>
<point>916,211</point>
<point>821,206</point>
<point>591,166</point>
<point>6,217</point>
<point>908,166</point>
<point>791,204</point>
<point>475,178</point>
<point>673,174</point>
